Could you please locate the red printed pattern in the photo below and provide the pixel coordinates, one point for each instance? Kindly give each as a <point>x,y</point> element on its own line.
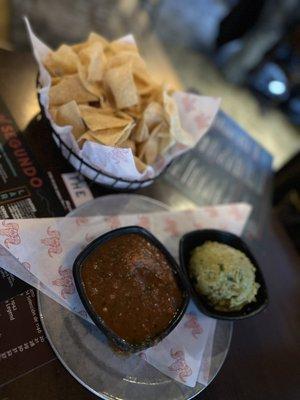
<point>81,221</point>
<point>193,325</point>
<point>212,212</point>
<point>113,222</point>
<point>26,265</point>
<point>66,281</point>
<point>11,230</point>
<point>144,221</point>
<point>235,212</point>
<point>180,365</point>
<point>202,121</point>
<point>171,227</point>
<point>89,238</point>
<point>188,103</point>
<point>52,242</point>
<point>196,224</point>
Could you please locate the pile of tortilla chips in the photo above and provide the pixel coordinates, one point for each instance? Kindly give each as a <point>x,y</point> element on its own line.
<point>104,91</point>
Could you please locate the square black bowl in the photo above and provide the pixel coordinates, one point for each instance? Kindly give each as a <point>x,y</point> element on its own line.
<point>99,322</point>
<point>196,238</point>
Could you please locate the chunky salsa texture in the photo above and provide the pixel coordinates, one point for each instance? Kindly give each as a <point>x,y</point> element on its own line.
<point>132,287</point>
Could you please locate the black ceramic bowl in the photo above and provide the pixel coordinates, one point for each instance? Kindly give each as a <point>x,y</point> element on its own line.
<point>197,238</point>
<point>99,322</point>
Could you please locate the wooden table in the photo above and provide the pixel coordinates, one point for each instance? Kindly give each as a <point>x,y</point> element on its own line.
<point>263,361</point>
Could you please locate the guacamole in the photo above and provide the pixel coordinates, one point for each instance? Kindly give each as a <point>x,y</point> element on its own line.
<point>224,275</point>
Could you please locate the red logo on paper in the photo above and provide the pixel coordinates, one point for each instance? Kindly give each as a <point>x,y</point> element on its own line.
<point>180,365</point>
<point>198,225</point>
<point>201,121</point>
<point>188,103</point>
<point>235,212</point>
<point>89,238</point>
<point>26,265</point>
<point>144,221</point>
<point>66,281</point>
<point>113,222</point>
<point>212,211</point>
<point>190,215</point>
<point>171,227</point>
<point>52,242</point>
<point>193,325</point>
<point>81,221</point>
<point>11,230</point>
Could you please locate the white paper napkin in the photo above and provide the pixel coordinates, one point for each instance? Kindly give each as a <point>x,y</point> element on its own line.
<point>42,251</point>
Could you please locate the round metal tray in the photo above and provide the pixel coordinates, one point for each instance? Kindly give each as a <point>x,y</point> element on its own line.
<point>84,350</point>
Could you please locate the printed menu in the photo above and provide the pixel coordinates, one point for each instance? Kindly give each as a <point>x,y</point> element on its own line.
<point>23,344</point>
<point>28,189</point>
<point>226,166</point>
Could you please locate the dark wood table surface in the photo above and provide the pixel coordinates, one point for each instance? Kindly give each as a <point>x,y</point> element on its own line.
<point>264,358</point>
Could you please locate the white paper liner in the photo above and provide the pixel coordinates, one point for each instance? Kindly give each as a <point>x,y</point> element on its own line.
<point>42,251</point>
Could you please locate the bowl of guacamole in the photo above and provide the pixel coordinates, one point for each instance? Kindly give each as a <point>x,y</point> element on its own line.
<point>224,275</point>
<point>225,279</point>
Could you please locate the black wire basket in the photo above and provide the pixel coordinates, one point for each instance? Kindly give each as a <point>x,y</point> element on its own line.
<point>94,174</point>
<point>89,171</point>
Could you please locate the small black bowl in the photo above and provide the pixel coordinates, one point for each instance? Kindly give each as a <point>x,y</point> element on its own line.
<point>99,322</point>
<point>196,238</point>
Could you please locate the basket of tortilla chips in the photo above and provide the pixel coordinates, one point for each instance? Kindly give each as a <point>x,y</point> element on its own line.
<point>112,121</point>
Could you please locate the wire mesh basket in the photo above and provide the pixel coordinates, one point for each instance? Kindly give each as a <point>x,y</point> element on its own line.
<point>95,174</point>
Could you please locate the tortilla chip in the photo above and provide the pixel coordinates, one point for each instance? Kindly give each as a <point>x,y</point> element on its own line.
<point>118,46</point>
<point>96,119</point>
<point>79,46</point>
<point>164,137</point>
<point>140,166</point>
<point>93,58</point>
<point>134,59</point>
<point>153,114</point>
<point>109,137</point>
<point>69,114</point>
<point>53,112</point>
<point>135,111</point>
<point>148,151</point>
<point>140,133</point>
<point>121,83</point>
<point>83,138</point>
<point>172,115</point>
<point>94,88</point>
<point>63,61</point>
<point>68,89</point>
<point>55,80</point>
<point>128,144</point>
<point>95,37</point>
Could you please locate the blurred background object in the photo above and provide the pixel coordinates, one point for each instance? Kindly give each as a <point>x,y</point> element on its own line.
<point>245,51</point>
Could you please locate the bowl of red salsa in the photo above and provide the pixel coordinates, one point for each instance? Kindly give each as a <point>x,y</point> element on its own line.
<point>131,287</point>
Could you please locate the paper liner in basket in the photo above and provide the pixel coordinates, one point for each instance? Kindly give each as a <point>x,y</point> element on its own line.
<point>196,115</point>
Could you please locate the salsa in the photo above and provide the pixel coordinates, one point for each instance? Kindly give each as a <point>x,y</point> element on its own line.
<point>132,287</point>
